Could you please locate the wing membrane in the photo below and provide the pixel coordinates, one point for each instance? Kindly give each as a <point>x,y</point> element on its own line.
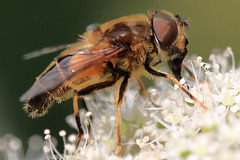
<point>45,50</point>
<point>67,67</point>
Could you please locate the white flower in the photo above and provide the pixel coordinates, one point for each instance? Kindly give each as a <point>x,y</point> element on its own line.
<point>175,128</point>
<point>62,133</point>
<point>142,142</point>
<point>227,96</point>
<point>47,131</point>
<point>199,59</point>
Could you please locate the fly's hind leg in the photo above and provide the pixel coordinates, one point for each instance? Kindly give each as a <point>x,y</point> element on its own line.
<point>80,94</point>
<point>77,119</point>
<point>84,105</point>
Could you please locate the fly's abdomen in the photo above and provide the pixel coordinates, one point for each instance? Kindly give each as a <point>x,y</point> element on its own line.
<point>38,106</point>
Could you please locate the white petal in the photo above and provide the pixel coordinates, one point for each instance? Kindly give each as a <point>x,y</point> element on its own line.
<point>234,108</point>
<point>237,98</point>
<point>221,109</point>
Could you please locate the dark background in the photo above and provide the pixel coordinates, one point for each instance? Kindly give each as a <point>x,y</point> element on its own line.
<point>33,24</point>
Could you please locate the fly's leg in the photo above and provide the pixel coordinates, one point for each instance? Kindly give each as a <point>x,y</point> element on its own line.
<point>168,76</point>
<point>143,90</point>
<point>80,94</point>
<point>120,98</point>
<point>77,119</point>
<point>190,73</point>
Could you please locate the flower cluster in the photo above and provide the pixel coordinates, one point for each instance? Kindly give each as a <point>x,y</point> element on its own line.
<point>170,126</point>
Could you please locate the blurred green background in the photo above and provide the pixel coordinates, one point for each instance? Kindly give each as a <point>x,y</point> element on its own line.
<point>33,24</point>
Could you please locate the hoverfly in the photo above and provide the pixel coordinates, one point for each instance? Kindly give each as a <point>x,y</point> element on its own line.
<point>111,54</point>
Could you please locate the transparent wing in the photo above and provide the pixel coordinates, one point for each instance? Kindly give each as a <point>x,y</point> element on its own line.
<point>56,48</point>
<point>45,50</point>
<point>67,67</point>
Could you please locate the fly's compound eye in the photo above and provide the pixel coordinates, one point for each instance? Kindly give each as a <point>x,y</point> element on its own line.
<point>165,30</point>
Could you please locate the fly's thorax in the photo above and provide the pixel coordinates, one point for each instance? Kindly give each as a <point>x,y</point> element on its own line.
<point>132,32</point>
<point>128,32</point>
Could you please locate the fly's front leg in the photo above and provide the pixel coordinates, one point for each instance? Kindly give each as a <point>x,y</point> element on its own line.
<point>168,76</point>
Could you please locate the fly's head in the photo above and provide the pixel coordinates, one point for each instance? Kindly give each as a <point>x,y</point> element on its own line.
<point>169,36</point>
